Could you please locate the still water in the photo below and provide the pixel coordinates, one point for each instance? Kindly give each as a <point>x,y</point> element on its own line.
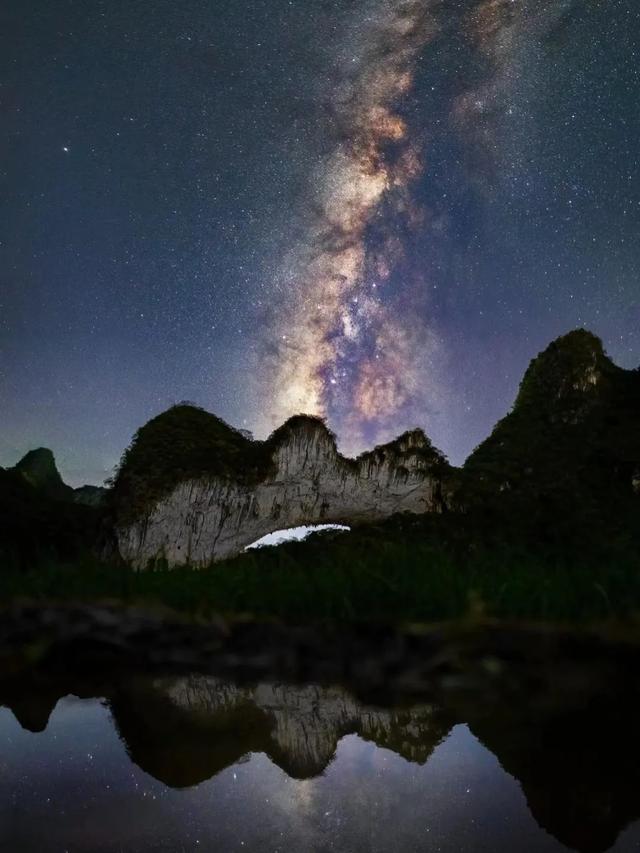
<point>193,763</point>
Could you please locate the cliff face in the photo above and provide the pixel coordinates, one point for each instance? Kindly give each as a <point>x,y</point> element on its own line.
<point>302,479</point>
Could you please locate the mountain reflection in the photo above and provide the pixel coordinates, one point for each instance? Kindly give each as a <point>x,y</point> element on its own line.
<point>185,730</point>
<point>570,740</point>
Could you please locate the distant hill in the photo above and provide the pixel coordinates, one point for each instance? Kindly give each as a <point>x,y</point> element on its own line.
<point>38,467</point>
<point>40,516</point>
<point>35,526</point>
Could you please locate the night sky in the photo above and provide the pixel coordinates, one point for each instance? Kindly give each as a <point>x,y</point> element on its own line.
<point>371,210</point>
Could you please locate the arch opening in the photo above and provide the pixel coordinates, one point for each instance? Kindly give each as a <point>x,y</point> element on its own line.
<point>294,534</point>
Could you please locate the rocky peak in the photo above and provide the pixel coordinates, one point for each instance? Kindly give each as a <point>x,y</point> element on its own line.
<point>575,426</point>
<point>301,426</point>
<point>567,378</point>
<point>183,443</point>
<point>38,467</point>
<point>411,447</point>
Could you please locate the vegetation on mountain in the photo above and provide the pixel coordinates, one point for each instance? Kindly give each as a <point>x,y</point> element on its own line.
<point>410,444</point>
<point>564,458</point>
<point>182,443</point>
<point>90,495</point>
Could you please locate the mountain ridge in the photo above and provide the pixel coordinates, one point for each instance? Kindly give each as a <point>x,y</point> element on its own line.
<point>189,484</point>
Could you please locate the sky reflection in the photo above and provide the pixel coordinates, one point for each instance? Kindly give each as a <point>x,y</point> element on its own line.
<point>74,788</point>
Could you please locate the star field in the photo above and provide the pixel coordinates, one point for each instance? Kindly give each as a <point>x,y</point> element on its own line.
<point>375,211</point>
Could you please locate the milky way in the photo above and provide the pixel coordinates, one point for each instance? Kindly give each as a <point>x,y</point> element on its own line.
<point>340,350</point>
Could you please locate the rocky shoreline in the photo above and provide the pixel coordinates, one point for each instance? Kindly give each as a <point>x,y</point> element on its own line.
<point>403,662</point>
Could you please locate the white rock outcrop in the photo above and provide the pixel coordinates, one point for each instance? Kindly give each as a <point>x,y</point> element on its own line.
<point>201,521</point>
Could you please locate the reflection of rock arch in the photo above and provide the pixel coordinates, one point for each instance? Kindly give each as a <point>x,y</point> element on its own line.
<point>179,750</point>
<point>33,712</point>
<point>185,730</point>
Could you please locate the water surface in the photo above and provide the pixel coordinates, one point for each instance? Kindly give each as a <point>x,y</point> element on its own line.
<point>182,763</point>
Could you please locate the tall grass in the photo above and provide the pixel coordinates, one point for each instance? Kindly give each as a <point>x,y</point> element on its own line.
<point>357,578</point>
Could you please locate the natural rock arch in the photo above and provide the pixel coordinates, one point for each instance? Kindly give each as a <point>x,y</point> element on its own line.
<point>303,480</point>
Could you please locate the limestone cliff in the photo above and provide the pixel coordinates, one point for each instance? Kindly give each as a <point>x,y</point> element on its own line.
<point>295,477</point>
